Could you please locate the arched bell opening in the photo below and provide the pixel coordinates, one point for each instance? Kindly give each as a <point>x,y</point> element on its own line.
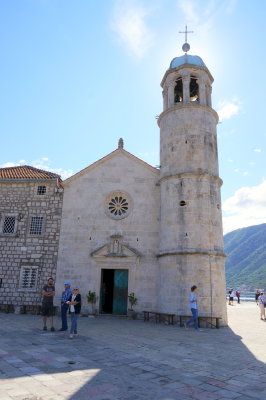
<point>193,89</point>
<point>179,91</point>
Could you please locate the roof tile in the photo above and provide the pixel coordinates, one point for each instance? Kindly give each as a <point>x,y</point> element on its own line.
<point>26,172</point>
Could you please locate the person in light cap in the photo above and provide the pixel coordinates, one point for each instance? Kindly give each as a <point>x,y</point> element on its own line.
<point>64,305</point>
<point>74,302</point>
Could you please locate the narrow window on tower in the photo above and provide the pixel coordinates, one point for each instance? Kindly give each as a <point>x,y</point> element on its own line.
<point>194,89</point>
<point>179,91</point>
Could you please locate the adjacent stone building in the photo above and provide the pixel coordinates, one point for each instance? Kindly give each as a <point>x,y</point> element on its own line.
<point>30,216</point>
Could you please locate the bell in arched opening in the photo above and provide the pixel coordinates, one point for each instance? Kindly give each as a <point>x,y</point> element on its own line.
<point>179,90</point>
<point>194,89</point>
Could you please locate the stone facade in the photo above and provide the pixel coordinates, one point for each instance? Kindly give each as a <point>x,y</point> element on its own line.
<point>30,217</point>
<point>93,239</point>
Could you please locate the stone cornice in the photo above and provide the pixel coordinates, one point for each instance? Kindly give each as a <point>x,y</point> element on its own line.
<point>193,175</point>
<point>179,106</point>
<point>188,68</point>
<point>191,252</point>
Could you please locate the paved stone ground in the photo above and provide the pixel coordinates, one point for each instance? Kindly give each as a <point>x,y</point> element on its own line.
<point>117,359</point>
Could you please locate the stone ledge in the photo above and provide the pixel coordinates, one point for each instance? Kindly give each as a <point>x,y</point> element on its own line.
<point>180,106</point>
<point>191,252</point>
<point>192,175</point>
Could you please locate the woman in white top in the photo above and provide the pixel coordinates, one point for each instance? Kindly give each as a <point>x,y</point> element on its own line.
<point>74,302</point>
<point>262,301</point>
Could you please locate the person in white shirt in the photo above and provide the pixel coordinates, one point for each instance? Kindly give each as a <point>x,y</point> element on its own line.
<point>231,297</point>
<point>74,302</point>
<point>262,302</point>
<point>193,301</point>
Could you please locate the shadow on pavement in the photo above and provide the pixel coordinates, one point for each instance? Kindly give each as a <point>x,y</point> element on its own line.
<point>116,359</point>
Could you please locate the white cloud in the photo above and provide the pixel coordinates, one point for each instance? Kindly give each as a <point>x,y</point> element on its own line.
<point>231,6</point>
<point>44,164</point>
<point>246,173</point>
<point>194,14</point>
<point>245,208</point>
<point>227,109</point>
<point>210,7</point>
<point>257,150</point>
<point>230,160</point>
<point>128,21</point>
<point>188,7</point>
<point>8,165</point>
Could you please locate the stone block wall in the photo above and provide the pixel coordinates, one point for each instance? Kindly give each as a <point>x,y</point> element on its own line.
<point>87,226</point>
<point>21,249</point>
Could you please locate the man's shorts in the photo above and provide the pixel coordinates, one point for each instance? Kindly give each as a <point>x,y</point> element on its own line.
<point>231,299</point>
<point>47,310</point>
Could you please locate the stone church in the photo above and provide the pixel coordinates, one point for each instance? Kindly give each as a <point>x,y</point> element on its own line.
<point>129,227</point>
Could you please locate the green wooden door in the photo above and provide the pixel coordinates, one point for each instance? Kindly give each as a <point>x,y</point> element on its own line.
<point>120,291</point>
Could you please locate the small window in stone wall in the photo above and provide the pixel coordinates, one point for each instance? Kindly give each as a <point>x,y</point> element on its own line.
<point>9,225</point>
<point>41,190</point>
<point>36,226</point>
<point>28,277</point>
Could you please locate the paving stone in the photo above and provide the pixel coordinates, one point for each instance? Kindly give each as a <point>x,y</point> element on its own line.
<point>254,394</point>
<point>159,362</point>
<point>208,388</point>
<point>227,394</point>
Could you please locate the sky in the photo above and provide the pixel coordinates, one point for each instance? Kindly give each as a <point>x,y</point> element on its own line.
<point>78,75</point>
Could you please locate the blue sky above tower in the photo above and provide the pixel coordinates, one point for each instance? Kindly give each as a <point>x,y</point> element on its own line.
<point>77,76</point>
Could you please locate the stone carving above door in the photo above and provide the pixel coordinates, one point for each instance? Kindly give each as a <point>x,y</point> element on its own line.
<point>115,248</point>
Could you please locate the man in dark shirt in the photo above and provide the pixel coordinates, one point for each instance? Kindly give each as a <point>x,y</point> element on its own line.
<point>48,293</point>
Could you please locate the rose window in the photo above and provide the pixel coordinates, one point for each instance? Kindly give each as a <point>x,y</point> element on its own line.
<point>118,205</point>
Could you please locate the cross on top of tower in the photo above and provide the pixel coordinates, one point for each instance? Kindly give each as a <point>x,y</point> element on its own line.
<point>186,46</point>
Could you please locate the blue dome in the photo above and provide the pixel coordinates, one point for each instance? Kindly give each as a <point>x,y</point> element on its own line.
<point>186,59</point>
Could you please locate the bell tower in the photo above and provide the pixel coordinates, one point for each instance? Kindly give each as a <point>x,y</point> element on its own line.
<point>191,236</point>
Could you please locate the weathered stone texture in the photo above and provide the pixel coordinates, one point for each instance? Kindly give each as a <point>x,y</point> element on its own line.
<point>191,235</point>
<point>87,225</point>
<point>21,249</point>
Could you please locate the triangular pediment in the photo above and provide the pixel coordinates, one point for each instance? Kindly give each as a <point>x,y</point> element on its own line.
<point>115,153</point>
<point>122,251</point>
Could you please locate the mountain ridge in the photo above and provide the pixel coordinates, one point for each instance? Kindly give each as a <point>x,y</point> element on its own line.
<point>246,257</point>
